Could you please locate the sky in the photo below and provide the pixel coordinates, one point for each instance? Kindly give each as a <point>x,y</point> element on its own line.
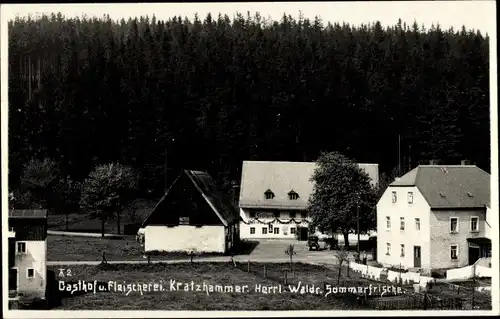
<point>478,15</point>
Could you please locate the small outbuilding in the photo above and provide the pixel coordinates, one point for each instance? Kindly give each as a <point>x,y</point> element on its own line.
<point>27,250</point>
<point>192,215</point>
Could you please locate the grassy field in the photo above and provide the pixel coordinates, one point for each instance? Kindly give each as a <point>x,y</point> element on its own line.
<point>210,273</point>
<point>69,248</point>
<point>79,222</point>
<point>76,248</point>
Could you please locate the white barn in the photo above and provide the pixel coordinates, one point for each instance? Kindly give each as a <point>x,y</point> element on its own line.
<point>192,215</point>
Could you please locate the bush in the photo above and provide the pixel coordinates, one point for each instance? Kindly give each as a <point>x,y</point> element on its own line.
<point>107,191</point>
<point>397,269</point>
<point>438,273</point>
<point>40,178</point>
<point>131,229</point>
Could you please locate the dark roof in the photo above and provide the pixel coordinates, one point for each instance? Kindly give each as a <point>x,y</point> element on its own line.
<point>28,213</point>
<point>218,201</point>
<point>450,186</point>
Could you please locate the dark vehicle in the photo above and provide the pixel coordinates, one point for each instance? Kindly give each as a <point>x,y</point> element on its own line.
<point>313,243</point>
<point>331,243</point>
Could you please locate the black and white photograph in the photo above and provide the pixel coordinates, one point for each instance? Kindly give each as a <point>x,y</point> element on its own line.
<point>249,159</point>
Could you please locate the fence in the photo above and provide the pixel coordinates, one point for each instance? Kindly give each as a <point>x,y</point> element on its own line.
<point>293,273</point>
<point>461,298</point>
<point>275,272</point>
<point>425,302</point>
<point>408,301</point>
<point>471,298</point>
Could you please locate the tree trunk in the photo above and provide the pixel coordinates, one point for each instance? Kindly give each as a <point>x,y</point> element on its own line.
<point>133,215</point>
<point>118,222</point>
<point>346,240</point>
<point>340,272</point>
<point>102,227</point>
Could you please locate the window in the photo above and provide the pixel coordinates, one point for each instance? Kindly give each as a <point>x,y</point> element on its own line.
<point>292,230</point>
<point>388,222</point>
<point>183,220</point>
<point>410,197</point>
<point>388,249</point>
<point>303,214</point>
<point>264,230</point>
<point>252,214</point>
<point>401,223</point>
<point>269,194</point>
<point>276,230</point>
<point>417,223</point>
<point>474,224</point>
<point>271,229</point>
<point>30,273</point>
<point>394,196</point>
<point>21,247</point>
<point>252,230</point>
<point>293,195</point>
<point>454,252</point>
<point>293,214</point>
<point>453,224</point>
<point>402,250</point>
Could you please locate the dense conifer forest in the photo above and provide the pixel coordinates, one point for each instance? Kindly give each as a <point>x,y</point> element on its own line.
<point>210,92</point>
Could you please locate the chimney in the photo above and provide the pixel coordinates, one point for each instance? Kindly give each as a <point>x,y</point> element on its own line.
<point>464,162</point>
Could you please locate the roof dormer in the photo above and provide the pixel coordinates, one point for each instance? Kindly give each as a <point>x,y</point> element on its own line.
<point>292,195</point>
<point>269,194</point>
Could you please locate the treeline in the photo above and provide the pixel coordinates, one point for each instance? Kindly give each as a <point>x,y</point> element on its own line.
<point>211,93</point>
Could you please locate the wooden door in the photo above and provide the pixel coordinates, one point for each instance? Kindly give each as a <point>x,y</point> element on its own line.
<point>474,254</point>
<point>417,257</point>
<point>13,279</point>
<point>303,233</point>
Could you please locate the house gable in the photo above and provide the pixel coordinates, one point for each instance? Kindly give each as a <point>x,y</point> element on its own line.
<point>184,203</point>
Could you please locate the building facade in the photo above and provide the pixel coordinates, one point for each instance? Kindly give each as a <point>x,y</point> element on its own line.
<point>435,217</point>
<point>27,253</point>
<point>192,216</point>
<point>274,196</point>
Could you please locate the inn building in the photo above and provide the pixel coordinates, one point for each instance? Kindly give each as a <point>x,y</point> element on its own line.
<point>274,195</point>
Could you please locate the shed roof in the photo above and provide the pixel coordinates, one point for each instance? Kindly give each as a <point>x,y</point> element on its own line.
<point>28,213</point>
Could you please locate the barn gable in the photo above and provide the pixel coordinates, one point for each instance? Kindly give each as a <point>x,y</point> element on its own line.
<point>192,200</point>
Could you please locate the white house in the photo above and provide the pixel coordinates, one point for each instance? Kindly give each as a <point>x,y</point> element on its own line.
<point>274,195</point>
<point>27,251</point>
<point>192,215</point>
<point>434,217</point>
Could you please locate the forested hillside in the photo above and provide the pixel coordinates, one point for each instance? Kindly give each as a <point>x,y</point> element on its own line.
<point>214,91</point>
